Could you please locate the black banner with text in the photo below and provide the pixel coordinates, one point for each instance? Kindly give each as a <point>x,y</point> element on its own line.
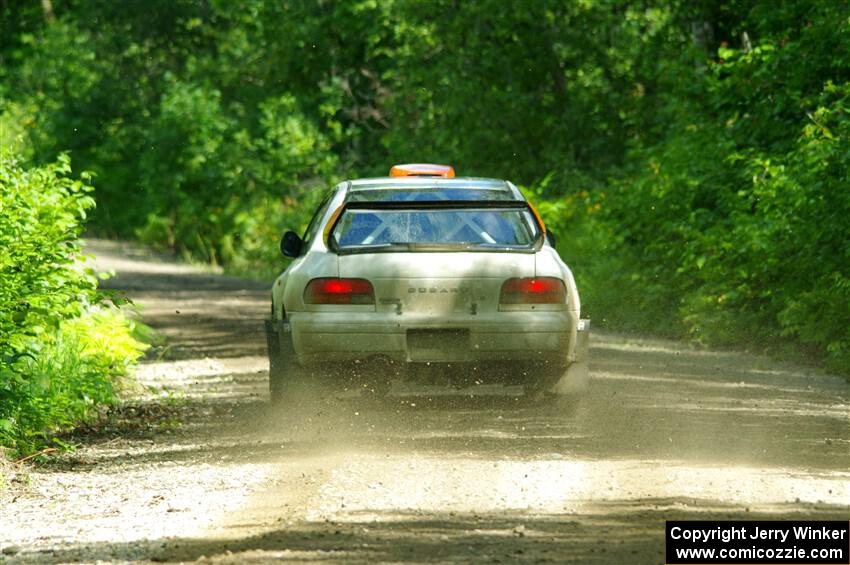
<point>747,542</point>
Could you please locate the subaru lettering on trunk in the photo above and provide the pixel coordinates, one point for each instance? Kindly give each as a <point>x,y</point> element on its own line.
<point>435,290</point>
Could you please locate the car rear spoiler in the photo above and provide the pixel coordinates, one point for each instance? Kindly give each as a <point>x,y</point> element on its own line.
<point>432,204</point>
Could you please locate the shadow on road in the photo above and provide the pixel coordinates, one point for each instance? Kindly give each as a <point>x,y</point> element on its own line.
<point>620,531</point>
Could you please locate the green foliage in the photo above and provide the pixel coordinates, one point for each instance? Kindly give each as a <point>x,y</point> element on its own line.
<point>192,112</point>
<point>58,353</point>
<point>14,121</point>
<point>40,214</point>
<point>65,378</point>
<point>256,253</point>
<point>738,212</point>
<point>519,90</point>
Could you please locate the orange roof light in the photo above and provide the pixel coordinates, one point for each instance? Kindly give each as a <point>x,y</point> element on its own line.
<point>423,170</point>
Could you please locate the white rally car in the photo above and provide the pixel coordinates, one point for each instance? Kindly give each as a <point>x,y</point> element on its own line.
<point>425,277</point>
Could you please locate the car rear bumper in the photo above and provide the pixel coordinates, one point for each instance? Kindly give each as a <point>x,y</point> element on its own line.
<point>532,336</point>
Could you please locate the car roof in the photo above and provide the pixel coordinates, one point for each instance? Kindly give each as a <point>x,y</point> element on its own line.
<point>495,188</point>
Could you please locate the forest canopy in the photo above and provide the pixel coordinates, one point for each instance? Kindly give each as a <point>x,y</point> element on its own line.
<point>692,156</point>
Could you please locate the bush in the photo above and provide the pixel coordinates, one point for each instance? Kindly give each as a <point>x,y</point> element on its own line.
<point>59,352</point>
<point>41,210</point>
<point>733,244</point>
<point>65,377</point>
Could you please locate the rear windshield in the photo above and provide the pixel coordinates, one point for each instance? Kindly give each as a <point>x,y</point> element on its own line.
<point>435,229</point>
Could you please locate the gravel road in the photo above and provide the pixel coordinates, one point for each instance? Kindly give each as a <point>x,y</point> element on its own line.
<point>197,466</point>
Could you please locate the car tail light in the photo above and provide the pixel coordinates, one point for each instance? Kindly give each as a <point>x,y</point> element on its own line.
<point>339,291</point>
<point>540,290</point>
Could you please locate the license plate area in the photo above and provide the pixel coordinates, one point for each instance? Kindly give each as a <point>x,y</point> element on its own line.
<point>438,345</point>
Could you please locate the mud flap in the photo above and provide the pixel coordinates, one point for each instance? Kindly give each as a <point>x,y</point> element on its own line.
<point>576,378</point>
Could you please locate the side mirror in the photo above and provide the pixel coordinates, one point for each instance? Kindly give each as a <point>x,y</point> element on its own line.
<point>553,240</point>
<point>290,244</point>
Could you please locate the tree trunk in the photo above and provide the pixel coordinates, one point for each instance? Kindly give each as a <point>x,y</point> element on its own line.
<point>47,10</point>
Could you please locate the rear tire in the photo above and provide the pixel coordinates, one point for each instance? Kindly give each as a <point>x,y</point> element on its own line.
<point>283,369</point>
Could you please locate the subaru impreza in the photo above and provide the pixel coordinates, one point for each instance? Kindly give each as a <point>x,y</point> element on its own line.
<point>425,277</point>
